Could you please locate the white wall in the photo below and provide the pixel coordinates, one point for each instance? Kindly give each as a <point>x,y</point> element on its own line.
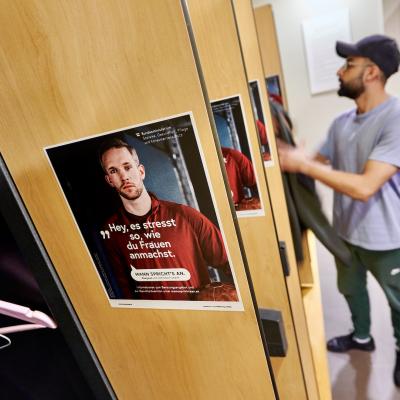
<point>312,115</point>
<point>391,12</point>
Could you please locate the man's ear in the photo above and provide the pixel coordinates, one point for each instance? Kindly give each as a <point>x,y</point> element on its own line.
<point>142,171</point>
<point>108,180</point>
<point>373,73</point>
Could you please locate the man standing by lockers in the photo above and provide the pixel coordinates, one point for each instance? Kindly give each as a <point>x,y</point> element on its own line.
<point>363,152</point>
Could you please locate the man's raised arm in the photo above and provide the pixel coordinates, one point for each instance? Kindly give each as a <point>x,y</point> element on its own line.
<point>357,186</point>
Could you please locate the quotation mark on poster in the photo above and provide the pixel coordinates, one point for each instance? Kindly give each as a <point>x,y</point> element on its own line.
<point>105,234</point>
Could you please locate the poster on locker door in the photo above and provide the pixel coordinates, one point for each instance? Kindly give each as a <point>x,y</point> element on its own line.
<point>237,153</point>
<point>274,88</point>
<point>261,123</point>
<point>142,200</point>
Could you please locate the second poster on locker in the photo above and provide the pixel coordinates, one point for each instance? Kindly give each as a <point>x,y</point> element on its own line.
<point>238,156</point>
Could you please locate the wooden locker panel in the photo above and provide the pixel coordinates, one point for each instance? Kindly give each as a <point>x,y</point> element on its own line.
<point>77,69</point>
<point>305,271</point>
<point>217,42</point>
<point>313,306</point>
<point>254,66</point>
<point>269,45</point>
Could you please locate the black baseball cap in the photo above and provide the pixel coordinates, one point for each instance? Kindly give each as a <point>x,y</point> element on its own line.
<point>380,49</point>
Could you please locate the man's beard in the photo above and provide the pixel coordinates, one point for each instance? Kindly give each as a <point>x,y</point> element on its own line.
<point>353,89</point>
<point>133,195</point>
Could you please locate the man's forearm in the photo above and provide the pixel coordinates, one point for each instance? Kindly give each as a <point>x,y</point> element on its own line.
<point>358,186</point>
<point>353,185</point>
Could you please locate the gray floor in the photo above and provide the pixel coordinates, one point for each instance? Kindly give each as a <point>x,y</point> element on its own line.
<point>357,375</point>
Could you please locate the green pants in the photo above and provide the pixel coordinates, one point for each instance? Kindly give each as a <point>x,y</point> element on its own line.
<point>352,283</point>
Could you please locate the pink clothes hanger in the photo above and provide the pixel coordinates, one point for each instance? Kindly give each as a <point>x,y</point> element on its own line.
<point>37,319</point>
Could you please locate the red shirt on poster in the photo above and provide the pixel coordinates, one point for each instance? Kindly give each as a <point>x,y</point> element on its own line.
<point>262,132</point>
<point>171,235</point>
<point>240,172</point>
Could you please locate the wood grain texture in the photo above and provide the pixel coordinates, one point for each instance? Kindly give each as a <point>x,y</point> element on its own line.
<point>266,34</point>
<point>269,45</point>
<point>219,49</point>
<point>306,276</point>
<point>314,312</point>
<point>255,70</point>
<point>74,69</point>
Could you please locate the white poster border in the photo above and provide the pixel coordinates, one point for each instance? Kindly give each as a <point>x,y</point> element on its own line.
<point>246,213</point>
<point>159,304</point>
<point>271,162</point>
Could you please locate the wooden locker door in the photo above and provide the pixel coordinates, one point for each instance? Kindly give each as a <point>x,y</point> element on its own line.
<point>269,46</point>
<point>308,269</point>
<point>218,45</point>
<point>251,54</point>
<point>77,69</point>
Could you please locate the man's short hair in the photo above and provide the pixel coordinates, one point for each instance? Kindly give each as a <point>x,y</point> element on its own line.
<point>115,143</point>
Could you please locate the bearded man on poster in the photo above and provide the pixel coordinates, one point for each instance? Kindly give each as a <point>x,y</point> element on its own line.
<point>150,233</point>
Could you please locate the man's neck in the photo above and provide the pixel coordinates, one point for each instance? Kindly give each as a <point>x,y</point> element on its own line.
<point>368,101</point>
<point>139,206</point>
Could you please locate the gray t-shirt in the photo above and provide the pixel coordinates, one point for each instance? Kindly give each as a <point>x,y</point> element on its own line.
<point>353,140</point>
